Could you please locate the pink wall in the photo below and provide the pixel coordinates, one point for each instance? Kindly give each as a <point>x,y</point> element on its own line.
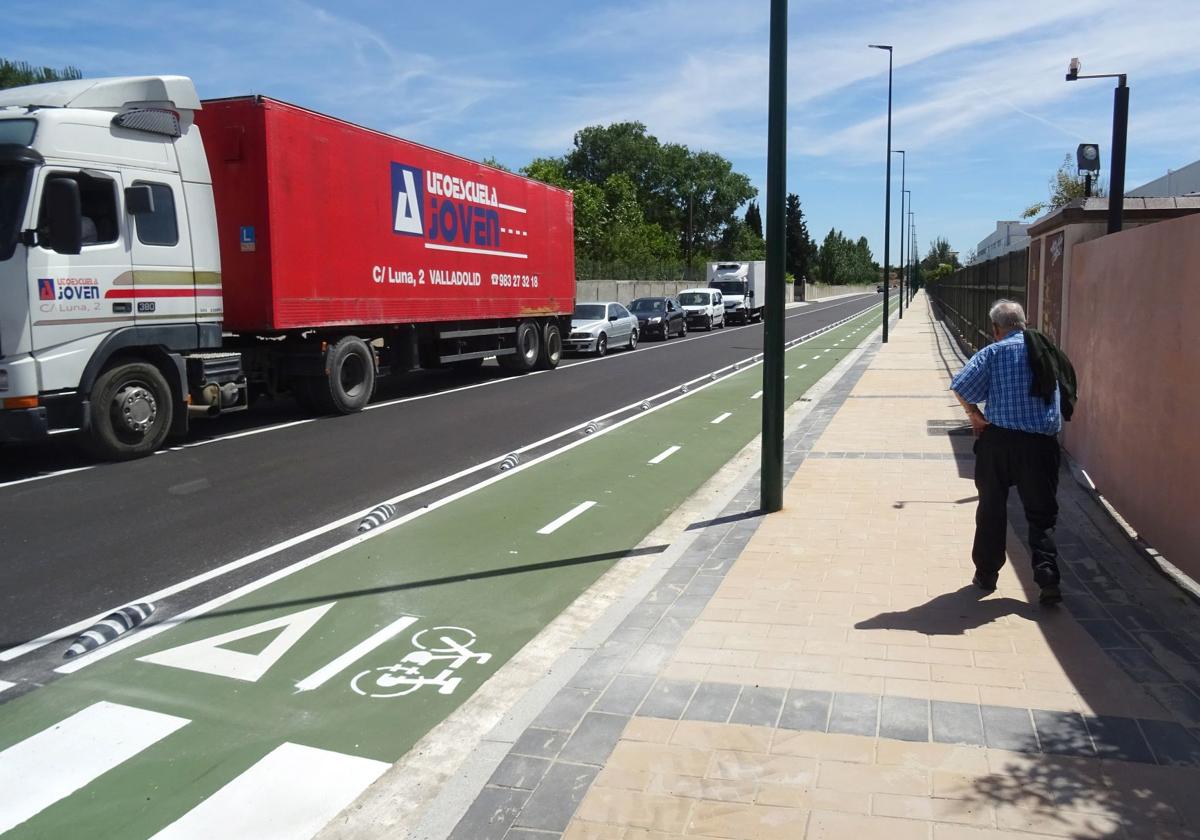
<point>1134,337</point>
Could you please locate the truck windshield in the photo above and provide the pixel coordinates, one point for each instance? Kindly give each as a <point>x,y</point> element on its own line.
<point>589,312</point>
<point>731,287</point>
<point>14,187</point>
<point>694,299</point>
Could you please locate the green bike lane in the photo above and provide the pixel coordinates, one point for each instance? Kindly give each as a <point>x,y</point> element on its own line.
<point>336,669</point>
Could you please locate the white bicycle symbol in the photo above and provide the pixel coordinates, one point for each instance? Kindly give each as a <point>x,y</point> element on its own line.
<point>452,646</point>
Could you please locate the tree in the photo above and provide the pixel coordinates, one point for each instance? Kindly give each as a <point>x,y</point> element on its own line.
<point>754,218</point>
<point>739,241</point>
<point>843,262</point>
<point>940,253</point>
<point>495,164</point>
<point>19,73</point>
<point>1065,187</point>
<point>800,252</point>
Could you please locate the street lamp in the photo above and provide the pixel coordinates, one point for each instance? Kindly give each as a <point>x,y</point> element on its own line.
<point>905,272</point>
<point>1116,177</point>
<point>887,192</point>
<point>903,161</point>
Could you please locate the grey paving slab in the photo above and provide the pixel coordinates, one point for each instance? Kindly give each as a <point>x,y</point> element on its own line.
<point>668,699</point>
<point>758,706</point>
<point>854,714</point>
<point>1181,701</point>
<point>1140,665</point>
<point>1172,744</point>
<point>1008,729</point>
<point>1108,634</point>
<point>956,723</point>
<point>1158,643</point>
<point>712,702</point>
<point>904,718</point>
<point>593,741</point>
<point>644,616</point>
<point>807,710</point>
<point>551,806</point>
<point>649,659</point>
<point>597,672</point>
<point>520,771</point>
<point>530,834</point>
<point>490,815</point>
<point>669,631</point>
<point>566,709</point>
<point>624,694</point>
<point>1119,738</point>
<point>1063,733</point>
<point>541,743</point>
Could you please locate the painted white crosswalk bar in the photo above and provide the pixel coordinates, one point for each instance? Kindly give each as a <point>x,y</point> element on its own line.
<point>664,455</point>
<point>721,418</point>
<point>565,518</point>
<point>56,762</point>
<point>290,794</point>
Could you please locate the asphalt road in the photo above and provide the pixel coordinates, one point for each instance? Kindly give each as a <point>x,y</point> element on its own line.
<point>80,542</point>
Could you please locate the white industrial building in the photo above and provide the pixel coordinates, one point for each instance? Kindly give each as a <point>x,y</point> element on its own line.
<point>1185,181</point>
<point>1008,236</point>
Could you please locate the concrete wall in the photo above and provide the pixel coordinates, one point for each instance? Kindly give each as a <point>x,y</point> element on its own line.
<point>626,290</point>
<point>1134,303</point>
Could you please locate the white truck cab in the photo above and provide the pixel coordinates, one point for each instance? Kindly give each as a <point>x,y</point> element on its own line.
<point>110,284</point>
<point>744,285</point>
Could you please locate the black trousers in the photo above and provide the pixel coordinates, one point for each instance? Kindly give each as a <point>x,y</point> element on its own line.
<point>1005,458</point>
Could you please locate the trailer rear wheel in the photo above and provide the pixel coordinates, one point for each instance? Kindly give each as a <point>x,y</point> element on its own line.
<point>349,378</point>
<point>131,409</point>
<point>551,353</point>
<point>528,343</point>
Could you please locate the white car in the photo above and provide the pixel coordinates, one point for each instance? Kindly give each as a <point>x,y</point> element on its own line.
<point>703,307</point>
<point>595,327</point>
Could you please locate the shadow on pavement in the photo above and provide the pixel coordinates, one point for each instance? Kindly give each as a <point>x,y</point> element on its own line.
<point>951,614</point>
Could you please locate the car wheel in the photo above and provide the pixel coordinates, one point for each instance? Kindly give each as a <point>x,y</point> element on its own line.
<point>682,328</point>
<point>602,345</point>
<point>633,339</point>
<point>723,320</point>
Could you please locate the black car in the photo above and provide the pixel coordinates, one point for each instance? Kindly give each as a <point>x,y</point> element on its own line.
<point>660,317</point>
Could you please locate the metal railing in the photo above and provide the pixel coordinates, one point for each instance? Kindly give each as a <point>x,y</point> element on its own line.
<point>965,296</point>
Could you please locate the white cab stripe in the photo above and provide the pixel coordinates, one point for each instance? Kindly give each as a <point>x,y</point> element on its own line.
<point>56,762</point>
<point>290,794</point>
<point>721,418</point>
<point>320,677</point>
<point>566,517</point>
<point>664,455</point>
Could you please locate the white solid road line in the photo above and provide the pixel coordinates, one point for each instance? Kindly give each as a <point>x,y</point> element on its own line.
<point>756,395</point>
<point>721,418</point>
<point>566,517</point>
<point>657,459</point>
<point>5,685</point>
<point>44,476</point>
<point>289,794</point>
<point>56,762</point>
<point>254,585</point>
<point>321,676</point>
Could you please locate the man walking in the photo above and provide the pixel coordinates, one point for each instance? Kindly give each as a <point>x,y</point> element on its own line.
<point>1016,444</point>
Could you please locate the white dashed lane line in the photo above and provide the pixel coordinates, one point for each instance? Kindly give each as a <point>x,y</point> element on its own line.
<point>721,418</point>
<point>566,517</point>
<point>664,455</point>
<point>756,395</point>
<point>803,366</point>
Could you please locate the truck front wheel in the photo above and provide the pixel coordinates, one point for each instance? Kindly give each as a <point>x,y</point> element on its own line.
<point>131,410</point>
<point>349,378</point>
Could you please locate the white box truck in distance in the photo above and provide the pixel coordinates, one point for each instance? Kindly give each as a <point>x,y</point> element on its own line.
<point>744,286</point>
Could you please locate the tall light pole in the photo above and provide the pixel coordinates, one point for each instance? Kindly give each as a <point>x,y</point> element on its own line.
<point>771,482</point>
<point>907,217</point>
<point>1120,132</point>
<point>903,163</point>
<point>887,193</point>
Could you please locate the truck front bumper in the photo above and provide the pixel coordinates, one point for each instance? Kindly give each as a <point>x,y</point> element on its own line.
<point>23,424</point>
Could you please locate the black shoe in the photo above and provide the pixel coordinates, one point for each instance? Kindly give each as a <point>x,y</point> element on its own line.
<point>1050,595</point>
<point>986,586</point>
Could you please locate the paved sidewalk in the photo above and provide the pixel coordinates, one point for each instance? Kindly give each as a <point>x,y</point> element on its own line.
<point>829,672</point>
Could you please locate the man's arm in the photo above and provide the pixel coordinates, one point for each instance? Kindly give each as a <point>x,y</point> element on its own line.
<point>978,421</point>
<point>970,386</point>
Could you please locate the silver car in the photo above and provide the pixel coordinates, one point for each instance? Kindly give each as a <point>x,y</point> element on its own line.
<point>595,327</point>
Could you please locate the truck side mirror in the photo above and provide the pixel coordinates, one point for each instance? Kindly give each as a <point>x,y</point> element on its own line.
<point>64,215</point>
<point>139,200</point>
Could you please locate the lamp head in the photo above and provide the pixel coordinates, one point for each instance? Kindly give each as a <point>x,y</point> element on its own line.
<point>887,47</point>
<point>1073,70</point>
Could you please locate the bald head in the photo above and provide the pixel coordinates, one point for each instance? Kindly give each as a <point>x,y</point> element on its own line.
<point>1006,316</point>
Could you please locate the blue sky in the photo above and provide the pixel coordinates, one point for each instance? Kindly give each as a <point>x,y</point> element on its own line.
<point>980,103</point>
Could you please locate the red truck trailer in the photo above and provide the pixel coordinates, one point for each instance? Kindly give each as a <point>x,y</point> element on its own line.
<point>364,252</point>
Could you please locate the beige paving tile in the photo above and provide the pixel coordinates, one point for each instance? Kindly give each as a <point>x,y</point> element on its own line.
<point>631,808</point>
<point>854,778</point>
<point>851,748</point>
<point>831,825</point>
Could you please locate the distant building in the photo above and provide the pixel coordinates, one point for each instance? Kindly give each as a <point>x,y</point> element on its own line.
<point>1008,236</point>
<point>1185,181</point>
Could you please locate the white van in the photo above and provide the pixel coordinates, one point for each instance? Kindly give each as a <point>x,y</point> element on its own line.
<point>703,308</point>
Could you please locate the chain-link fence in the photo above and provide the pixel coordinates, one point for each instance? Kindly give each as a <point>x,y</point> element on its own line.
<point>965,296</point>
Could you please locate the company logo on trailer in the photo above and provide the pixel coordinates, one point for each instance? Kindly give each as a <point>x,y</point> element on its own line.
<point>449,212</point>
<point>45,288</point>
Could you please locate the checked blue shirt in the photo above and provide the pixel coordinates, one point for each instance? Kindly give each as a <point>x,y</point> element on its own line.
<point>1000,376</point>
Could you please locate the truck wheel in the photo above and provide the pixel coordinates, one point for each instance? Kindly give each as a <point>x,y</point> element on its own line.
<point>551,353</point>
<point>131,410</point>
<point>528,342</point>
<point>349,378</point>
